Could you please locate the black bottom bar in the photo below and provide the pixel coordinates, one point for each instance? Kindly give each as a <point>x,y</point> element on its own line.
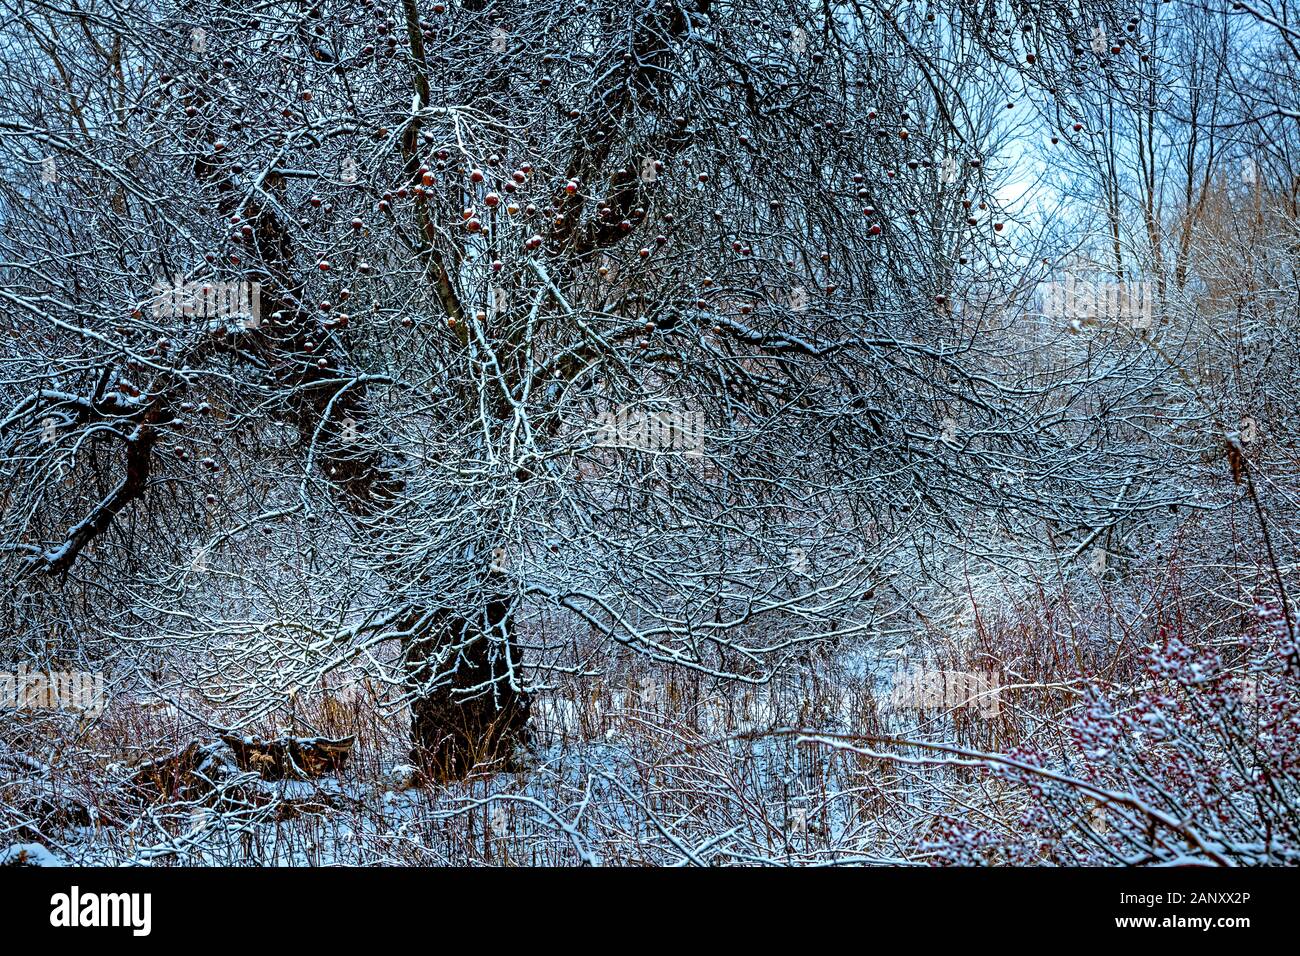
<point>427,905</point>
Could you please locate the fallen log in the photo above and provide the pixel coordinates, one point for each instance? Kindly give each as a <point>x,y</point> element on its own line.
<point>290,758</point>
<point>200,768</point>
<point>232,773</point>
<point>193,773</point>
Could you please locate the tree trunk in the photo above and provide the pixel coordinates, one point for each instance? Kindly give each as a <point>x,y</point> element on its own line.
<point>468,706</point>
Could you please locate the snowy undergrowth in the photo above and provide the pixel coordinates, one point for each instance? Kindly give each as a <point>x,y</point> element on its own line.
<point>1132,725</point>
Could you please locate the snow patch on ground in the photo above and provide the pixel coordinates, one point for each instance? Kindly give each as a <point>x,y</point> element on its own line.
<point>29,854</point>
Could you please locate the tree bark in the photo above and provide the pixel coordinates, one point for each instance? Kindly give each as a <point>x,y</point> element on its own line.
<point>468,707</point>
